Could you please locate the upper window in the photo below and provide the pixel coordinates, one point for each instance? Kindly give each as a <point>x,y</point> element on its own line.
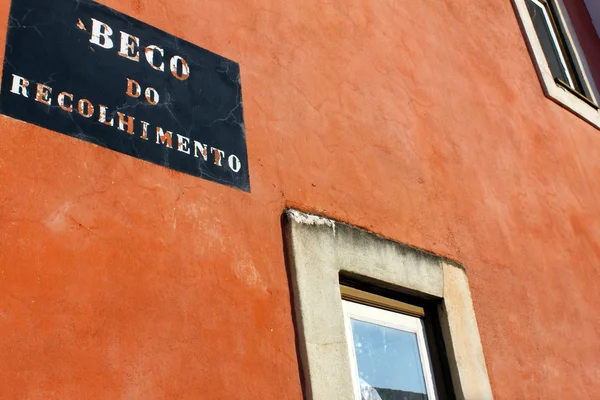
<point>559,55</point>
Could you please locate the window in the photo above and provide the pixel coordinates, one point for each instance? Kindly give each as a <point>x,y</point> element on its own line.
<point>350,284</point>
<point>389,354</point>
<point>557,55</point>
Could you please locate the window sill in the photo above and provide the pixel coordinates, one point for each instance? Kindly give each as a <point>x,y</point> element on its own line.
<point>573,103</point>
<point>581,97</point>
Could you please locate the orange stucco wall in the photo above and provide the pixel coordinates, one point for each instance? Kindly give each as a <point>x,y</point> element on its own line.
<point>423,121</point>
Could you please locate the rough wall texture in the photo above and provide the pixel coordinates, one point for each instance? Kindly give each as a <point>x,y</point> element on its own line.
<point>423,121</point>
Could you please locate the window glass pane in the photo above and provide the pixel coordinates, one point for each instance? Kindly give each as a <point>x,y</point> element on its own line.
<point>389,364</point>
<point>548,40</point>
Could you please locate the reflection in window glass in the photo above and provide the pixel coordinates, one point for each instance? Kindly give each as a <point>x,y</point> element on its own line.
<point>548,40</point>
<point>389,364</point>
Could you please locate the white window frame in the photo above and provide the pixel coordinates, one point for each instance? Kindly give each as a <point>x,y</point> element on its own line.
<point>388,319</point>
<point>319,249</point>
<point>553,91</point>
<point>556,42</point>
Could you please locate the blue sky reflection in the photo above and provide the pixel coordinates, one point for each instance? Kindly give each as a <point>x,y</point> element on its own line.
<point>388,358</point>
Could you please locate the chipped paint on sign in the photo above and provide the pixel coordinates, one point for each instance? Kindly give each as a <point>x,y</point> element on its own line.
<point>101,76</point>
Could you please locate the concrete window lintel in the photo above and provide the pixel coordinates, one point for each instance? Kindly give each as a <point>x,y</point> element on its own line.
<point>319,249</point>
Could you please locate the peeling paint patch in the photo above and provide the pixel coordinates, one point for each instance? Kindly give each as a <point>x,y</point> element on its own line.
<point>309,219</point>
<point>58,220</point>
<point>246,272</point>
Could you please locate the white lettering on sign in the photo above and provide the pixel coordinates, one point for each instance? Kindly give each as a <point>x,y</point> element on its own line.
<point>151,57</point>
<point>102,118</point>
<point>19,85</point>
<point>85,108</point>
<point>164,137</point>
<point>127,123</point>
<point>178,63</point>
<point>234,163</point>
<point>183,144</point>
<point>152,96</point>
<point>219,154</point>
<point>42,94</point>
<point>130,49</point>
<point>62,104</point>
<point>144,130</point>
<point>203,150</point>
<point>135,90</point>
<point>101,34</point>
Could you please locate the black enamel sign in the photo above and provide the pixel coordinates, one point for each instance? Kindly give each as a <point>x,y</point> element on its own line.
<point>85,70</point>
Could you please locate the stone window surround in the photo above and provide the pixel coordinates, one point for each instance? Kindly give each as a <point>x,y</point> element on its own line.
<point>558,94</point>
<point>318,249</point>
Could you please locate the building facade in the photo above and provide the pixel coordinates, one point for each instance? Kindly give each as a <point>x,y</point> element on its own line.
<point>441,155</point>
